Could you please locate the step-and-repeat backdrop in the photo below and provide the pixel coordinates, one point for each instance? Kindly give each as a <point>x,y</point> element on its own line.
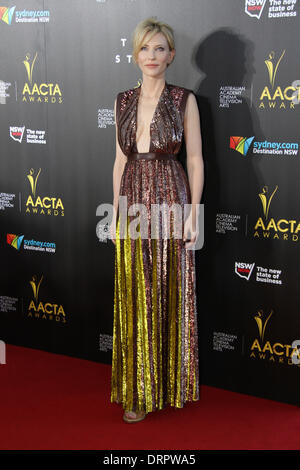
<point>62,64</point>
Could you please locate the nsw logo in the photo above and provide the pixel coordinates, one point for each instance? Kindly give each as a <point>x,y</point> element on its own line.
<point>16,133</point>
<point>244,270</point>
<point>254,8</point>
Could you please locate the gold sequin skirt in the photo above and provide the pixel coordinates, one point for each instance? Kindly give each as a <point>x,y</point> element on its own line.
<point>155,337</point>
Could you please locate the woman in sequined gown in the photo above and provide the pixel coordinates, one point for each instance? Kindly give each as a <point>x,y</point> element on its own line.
<point>155,338</point>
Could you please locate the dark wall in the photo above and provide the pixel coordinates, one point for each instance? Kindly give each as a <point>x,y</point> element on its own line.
<point>62,64</point>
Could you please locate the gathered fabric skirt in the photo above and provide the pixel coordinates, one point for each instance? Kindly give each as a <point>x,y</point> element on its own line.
<point>155,334</point>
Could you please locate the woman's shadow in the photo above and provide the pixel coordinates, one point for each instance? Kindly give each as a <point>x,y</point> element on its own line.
<point>226,59</point>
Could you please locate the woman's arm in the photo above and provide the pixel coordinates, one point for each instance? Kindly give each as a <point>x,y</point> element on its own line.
<point>195,166</point>
<point>118,168</point>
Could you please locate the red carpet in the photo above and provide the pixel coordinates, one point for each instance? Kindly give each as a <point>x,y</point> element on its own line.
<point>49,401</point>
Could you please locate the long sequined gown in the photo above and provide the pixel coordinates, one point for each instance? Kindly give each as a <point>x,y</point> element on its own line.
<point>155,341</point>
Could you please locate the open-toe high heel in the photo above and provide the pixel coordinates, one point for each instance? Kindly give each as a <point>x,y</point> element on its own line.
<point>133,417</point>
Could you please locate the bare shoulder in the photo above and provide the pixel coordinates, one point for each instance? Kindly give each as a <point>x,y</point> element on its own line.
<point>127,92</point>
<point>191,102</point>
<point>192,114</point>
<point>123,98</point>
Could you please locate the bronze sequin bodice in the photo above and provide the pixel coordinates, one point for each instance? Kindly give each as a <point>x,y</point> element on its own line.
<point>166,127</point>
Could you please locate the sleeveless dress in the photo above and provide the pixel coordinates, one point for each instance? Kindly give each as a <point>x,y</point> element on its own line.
<point>155,337</point>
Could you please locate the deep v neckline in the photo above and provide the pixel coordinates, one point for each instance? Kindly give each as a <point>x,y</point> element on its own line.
<point>138,92</point>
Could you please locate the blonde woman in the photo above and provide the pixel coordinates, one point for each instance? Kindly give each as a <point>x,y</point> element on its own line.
<point>155,338</point>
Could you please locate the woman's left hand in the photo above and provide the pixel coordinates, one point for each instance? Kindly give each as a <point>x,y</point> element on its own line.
<point>190,232</point>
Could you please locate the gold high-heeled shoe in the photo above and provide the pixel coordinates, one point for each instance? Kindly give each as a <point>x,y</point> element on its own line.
<point>139,416</point>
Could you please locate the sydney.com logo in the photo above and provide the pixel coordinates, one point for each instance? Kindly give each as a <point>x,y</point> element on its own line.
<point>15,241</point>
<point>244,144</point>
<point>23,16</point>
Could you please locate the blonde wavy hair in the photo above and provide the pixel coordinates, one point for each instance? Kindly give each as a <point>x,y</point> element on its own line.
<point>152,26</point>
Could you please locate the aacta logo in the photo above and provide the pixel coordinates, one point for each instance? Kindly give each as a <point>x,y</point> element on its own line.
<point>42,205</point>
<point>6,14</point>
<point>42,92</point>
<point>271,97</point>
<point>44,310</point>
<point>254,7</point>
<point>275,229</point>
<point>271,351</point>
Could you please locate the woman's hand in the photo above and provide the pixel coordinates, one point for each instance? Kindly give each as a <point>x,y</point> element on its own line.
<point>191,232</point>
<point>112,230</point>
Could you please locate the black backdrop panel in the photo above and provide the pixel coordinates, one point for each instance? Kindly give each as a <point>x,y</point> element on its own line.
<point>62,64</point>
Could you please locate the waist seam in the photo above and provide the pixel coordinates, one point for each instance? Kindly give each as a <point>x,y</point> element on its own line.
<point>151,156</point>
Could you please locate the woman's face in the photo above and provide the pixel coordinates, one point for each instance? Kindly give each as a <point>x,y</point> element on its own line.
<point>154,55</point>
